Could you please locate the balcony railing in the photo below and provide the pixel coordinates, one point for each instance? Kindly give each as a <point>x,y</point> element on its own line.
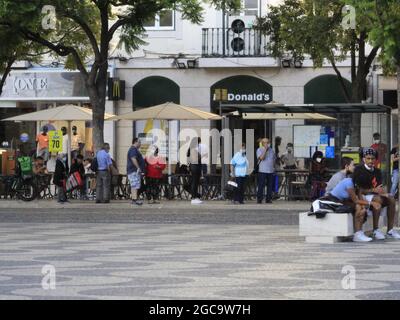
<point>246,42</point>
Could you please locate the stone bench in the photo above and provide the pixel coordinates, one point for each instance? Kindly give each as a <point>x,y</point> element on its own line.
<point>334,227</point>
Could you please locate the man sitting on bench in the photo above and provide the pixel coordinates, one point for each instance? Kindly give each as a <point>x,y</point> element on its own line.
<point>368,180</point>
<point>345,193</point>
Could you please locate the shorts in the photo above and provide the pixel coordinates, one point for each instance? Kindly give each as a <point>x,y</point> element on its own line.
<point>369,198</point>
<point>134,180</point>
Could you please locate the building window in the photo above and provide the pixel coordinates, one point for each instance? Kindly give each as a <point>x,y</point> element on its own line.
<point>248,8</point>
<point>165,20</point>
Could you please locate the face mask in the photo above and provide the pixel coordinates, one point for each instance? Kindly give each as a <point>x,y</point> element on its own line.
<point>377,141</point>
<point>319,160</point>
<point>243,152</point>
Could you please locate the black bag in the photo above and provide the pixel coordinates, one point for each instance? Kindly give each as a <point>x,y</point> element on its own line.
<point>230,189</point>
<point>94,165</point>
<point>321,207</point>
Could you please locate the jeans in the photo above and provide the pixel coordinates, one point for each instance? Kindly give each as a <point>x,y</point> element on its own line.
<point>263,178</point>
<point>395,182</point>
<point>195,170</point>
<point>204,169</point>
<point>61,196</point>
<point>103,184</point>
<point>239,193</point>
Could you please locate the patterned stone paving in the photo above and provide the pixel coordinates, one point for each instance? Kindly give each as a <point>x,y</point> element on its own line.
<point>183,261</point>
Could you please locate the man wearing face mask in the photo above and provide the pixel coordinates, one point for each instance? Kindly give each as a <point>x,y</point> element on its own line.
<point>288,158</point>
<point>266,168</point>
<point>381,150</point>
<point>239,167</point>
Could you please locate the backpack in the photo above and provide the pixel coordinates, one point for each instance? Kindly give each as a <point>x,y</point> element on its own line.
<point>94,166</point>
<point>25,166</point>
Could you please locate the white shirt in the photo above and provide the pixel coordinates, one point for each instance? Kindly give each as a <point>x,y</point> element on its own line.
<point>65,144</point>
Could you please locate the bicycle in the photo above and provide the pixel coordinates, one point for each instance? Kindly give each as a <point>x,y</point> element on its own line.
<point>24,188</point>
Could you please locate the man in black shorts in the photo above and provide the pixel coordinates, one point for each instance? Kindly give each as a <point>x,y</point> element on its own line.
<point>368,180</point>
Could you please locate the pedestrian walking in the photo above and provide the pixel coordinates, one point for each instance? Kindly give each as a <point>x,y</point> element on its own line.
<point>239,168</point>
<point>60,178</point>
<point>194,159</point>
<point>103,177</point>
<point>135,168</point>
<point>155,164</point>
<point>266,170</point>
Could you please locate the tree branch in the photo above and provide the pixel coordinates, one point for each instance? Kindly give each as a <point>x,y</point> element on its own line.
<point>6,72</point>
<point>341,80</point>
<point>85,27</point>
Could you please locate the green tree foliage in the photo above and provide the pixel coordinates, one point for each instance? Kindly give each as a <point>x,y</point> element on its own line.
<point>84,30</point>
<point>12,49</point>
<point>322,31</point>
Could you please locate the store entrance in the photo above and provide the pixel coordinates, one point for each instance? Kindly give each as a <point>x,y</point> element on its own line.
<point>258,128</point>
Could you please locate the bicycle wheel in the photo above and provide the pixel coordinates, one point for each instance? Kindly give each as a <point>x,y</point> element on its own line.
<point>26,191</point>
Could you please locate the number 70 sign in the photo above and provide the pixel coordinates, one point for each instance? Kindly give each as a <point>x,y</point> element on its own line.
<point>55,141</point>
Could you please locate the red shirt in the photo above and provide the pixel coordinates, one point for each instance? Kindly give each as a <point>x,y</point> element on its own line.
<point>381,148</point>
<point>155,167</point>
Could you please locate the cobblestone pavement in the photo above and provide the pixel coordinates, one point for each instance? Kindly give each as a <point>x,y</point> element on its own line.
<point>189,261</point>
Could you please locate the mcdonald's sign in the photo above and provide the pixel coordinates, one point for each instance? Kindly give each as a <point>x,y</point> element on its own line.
<point>116,89</point>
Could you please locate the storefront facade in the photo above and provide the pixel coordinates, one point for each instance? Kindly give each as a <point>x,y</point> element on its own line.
<point>37,89</point>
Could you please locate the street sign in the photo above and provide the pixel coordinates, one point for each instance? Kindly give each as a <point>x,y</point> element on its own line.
<point>55,141</point>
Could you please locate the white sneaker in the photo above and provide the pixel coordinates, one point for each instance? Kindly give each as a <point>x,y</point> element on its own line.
<point>196,201</point>
<point>359,236</point>
<point>378,235</point>
<point>393,234</point>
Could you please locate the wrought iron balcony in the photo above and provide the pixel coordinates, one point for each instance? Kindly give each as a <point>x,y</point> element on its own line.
<point>234,42</point>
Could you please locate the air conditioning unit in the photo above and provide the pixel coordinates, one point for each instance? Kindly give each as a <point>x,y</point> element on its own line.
<point>247,20</point>
<point>238,35</point>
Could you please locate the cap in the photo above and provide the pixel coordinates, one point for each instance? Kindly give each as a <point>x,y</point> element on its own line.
<point>369,152</point>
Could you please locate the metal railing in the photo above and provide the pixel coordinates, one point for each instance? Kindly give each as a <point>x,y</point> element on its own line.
<point>234,42</point>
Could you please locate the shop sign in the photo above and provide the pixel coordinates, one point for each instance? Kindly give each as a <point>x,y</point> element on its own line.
<point>36,85</point>
<point>55,141</point>
<point>224,96</point>
<point>241,89</point>
<point>33,84</point>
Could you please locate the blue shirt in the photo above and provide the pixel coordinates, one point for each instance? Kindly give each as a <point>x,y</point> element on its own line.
<point>268,164</point>
<point>103,160</point>
<point>133,152</point>
<point>240,163</point>
<point>341,190</point>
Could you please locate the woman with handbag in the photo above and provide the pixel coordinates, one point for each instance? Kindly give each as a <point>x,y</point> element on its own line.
<point>239,168</point>
<point>60,177</point>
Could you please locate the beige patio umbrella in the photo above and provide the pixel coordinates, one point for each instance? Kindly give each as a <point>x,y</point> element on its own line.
<point>68,112</point>
<point>286,116</point>
<point>168,111</point>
